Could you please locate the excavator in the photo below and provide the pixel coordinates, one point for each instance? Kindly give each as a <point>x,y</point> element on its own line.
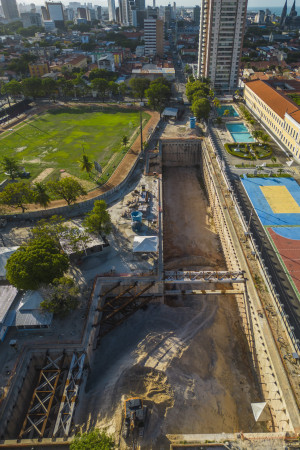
<point>135,413</point>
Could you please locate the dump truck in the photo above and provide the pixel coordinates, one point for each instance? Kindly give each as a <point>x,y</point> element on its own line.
<point>135,413</point>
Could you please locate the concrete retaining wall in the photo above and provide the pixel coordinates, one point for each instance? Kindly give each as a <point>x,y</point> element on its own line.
<point>180,152</point>
<point>256,328</point>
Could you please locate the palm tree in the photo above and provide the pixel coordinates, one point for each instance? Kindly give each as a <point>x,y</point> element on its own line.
<point>226,112</point>
<point>125,140</point>
<point>216,102</point>
<point>257,134</point>
<point>265,138</point>
<point>219,121</point>
<point>85,164</point>
<point>280,171</point>
<point>41,195</point>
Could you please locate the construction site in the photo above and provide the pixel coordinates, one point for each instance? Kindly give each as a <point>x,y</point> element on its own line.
<point>185,341</point>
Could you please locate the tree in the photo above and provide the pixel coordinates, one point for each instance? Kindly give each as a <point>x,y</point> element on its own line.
<point>113,88</point>
<point>273,159</point>
<point>101,86</point>
<point>67,188</point>
<point>93,440</point>
<point>158,96</point>
<point>61,296</point>
<point>85,164</point>
<point>201,108</point>
<point>125,141</point>
<point>197,87</point>
<point>35,263</point>
<point>122,89</point>
<point>98,220</point>
<point>219,121</point>
<point>17,195</point>
<point>216,102</point>
<point>49,87</point>
<point>265,138</point>
<point>41,195</point>
<point>226,112</point>
<point>32,87</point>
<point>13,88</point>
<point>10,167</point>
<point>139,87</point>
<point>50,228</point>
<point>257,134</point>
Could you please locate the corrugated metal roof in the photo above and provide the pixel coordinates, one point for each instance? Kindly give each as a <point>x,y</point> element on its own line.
<point>32,318</point>
<point>7,296</point>
<point>5,253</point>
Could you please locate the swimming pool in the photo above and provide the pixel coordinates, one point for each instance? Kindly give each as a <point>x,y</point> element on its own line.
<point>239,132</point>
<point>230,108</point>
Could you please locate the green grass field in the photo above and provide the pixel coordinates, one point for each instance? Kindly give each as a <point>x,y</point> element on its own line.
<point>57,139</point>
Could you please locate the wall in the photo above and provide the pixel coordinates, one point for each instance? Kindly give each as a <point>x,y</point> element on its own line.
<point>175,152</point>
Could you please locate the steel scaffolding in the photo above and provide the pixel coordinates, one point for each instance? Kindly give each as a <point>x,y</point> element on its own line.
<point>41,402</point>
<point>67,405</point>
<point>176,277</point>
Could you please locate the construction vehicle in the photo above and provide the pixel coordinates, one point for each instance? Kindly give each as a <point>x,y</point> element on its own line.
<point>135,414</point>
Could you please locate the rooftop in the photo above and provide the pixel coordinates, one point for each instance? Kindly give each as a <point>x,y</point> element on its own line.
<point>276,101</point>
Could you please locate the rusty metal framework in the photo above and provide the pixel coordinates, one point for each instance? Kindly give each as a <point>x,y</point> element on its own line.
<point>41,402</point>
<point>67,405</point>
<point>204,277</point>
<point>117,309</point>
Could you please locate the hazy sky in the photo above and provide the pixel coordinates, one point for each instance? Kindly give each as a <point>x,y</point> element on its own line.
<point>251,3</point>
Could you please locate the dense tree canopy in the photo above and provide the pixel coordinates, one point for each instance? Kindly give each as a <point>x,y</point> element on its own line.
<point>36,263</point>
<point>98,220</point>
<point>158,94</point>
<point>68,189</point>
<point>201,108</point>
<point>61,296</point>
<point>17,195</point>
<point>139,86</point>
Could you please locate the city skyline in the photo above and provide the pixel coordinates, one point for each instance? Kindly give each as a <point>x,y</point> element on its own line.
<point>188,3</point>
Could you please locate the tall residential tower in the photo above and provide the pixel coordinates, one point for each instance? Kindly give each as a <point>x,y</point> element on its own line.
<point>10,9</point>
<point>221,33</point>
<point>111,10</point>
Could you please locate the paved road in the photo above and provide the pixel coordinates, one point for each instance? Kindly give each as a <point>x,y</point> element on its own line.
<point>279,276</point>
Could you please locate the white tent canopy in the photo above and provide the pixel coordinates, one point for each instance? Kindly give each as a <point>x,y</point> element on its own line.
<point>261,412</point>
<point>145,244</point>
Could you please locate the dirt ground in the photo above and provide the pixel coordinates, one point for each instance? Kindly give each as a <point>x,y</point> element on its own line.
<point>190,241</point>
<point>187,359</point>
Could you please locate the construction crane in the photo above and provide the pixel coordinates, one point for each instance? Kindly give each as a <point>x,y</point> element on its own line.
<point>135,413</point>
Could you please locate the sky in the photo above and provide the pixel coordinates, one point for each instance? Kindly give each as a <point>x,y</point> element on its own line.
<point>251,3</point>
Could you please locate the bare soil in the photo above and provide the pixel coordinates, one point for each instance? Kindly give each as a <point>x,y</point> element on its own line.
<point>188,361</point>
<point>190,240</point>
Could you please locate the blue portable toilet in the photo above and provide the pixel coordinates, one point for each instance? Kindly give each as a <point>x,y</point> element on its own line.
<point>192,122</point>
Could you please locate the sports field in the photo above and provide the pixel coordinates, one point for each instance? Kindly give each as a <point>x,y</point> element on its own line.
<point>55,141</point>
<point>277,204</point>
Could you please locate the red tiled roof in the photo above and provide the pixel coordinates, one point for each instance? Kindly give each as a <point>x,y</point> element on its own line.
<point>276,101</point>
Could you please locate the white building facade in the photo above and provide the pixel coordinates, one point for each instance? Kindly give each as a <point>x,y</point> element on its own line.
<point>222,24</point>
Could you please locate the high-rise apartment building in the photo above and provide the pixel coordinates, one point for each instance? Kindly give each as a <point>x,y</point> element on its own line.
<point>10,9</point>
<point>111,10</point>
<point>221,33</point>
<point>196,14</point>
<point>154,37</point>
<point>56,13</point>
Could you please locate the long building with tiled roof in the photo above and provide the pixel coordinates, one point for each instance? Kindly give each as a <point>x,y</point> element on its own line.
<point>279,115</point>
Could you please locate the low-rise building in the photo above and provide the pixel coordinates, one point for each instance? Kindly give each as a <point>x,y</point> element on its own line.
<point>277,113</point>
<point>38,69</point>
